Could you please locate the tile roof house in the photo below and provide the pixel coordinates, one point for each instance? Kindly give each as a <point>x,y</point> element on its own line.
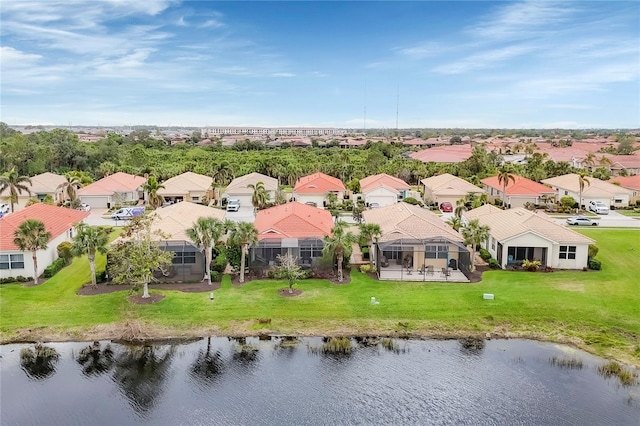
<point>518,234</point>
<point>292,228</point>
<point>41,185</point>
<point>415,244</point>
<point>596,190</point>
<point>383,189</point>
<point>188,186</point>
<point>112,190</point>
<point>446,187</point>
<point>315,188</point>
<point>632,183</point>
<point>518,192</point>
<point>173,221</point>
<point>239,187</point>
<point>444,154</point>
<point>59,221</point>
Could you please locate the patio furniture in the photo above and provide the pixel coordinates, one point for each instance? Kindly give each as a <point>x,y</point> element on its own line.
<point>430,270</point>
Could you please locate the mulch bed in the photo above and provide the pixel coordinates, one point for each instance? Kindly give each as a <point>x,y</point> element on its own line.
<point>139,300</point>
<point>284,292</point>
<point>201,287</point>
<point>476,276</point>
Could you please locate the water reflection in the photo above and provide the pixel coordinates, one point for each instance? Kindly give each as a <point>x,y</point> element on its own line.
<point>472,346</point>
<point>140,373</point>
<point>95,360</point>
<point>207,366</point>
<point>40,362</point>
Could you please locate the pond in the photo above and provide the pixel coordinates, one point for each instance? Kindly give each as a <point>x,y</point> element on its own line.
<point>302,381</point>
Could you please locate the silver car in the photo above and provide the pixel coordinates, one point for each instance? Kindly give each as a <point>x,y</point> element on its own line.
<point>581,220</point>
<point>233,205</point>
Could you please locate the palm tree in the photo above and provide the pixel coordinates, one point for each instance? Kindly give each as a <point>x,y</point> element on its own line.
<point>31,235</point>
<point>589,159</point>
<point>474,234</point>
<point>455,222</point>
<point>582,182</point>
<point>244,234</point>
<point>206,233</point>
<point>90,240</point>
<point>504,176</point>
<point>260,195</point>
<point>70,185</point>
<point>151,187</point>
<point>222,174</point>
<point>15,183</point>
<point>339,244</point>
<point>370,232</point>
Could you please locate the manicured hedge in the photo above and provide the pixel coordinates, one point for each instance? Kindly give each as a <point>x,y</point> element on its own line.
<point>53,269</point>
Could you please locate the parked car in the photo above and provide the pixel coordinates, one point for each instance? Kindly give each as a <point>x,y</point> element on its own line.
<point>581,220</point>
<point>233,205</point>
<point>446,207</point>
<point>312,203</point>
<point>84,207</point>
<point>4,208</point>
<point>598,207</point>
<point>374,205</point>
<point>127,213</point>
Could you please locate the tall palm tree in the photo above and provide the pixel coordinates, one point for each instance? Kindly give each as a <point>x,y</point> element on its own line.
<point>15,184</point>
<point>504,176</point>
<point>582,183</point>
<point>474,234</point>
<point>455,222</point>
<point>206,232</point>
<point>589,159</point>
<point>69,186</point>
<point>90,240</point>
<point>244,234</point>
<point>220,176</point>
<point>151,187</point>
<point>339,244</point>
<point>370,232</point>
<point>31,235</point>
<point>260,195</point>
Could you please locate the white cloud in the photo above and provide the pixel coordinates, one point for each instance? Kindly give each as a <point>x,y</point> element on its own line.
<point>11,57</point>
<point>282,74</point>
<point>423,50</point>
<point>490,58</point>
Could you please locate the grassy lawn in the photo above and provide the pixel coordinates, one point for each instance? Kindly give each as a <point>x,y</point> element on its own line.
<point>596,310</point>
<point>630,213</point>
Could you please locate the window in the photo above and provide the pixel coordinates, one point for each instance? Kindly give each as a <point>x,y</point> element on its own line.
<point>436,252</point>
<point>617,201</point>
<point>183,258</point>
<point>11,261</point>
<point>567,252</point>
<point>195,198</point>
<point>308,252</point>
<point>493,243</point>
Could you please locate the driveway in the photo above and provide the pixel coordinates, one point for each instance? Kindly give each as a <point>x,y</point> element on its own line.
<point>244,214</point>
<point>95,218</point>
<point>611,220</point>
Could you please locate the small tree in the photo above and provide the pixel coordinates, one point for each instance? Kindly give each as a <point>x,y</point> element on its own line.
<point>582,183</point>
<point>151,188</point>
<point>15,184</point>
<point>90,240</point>
<point>64,251</point>
<point>206,232</point>
<point>370,232</point>
<point>475,234</point>
<point>243,234</point>
<point>288,269</point>
<point>567,202</point>
<point>338,245</point>
<point>132,261</point>
<point>31,235</point>
<point>70,186</point>
<point>504,176</point>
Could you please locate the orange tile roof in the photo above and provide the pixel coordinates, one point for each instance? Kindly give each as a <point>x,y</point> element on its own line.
<point>629,182</point>
<point>382,179</point>
<point>521,186</point>
<point>56,220</point>
<point>318,183</point>
<point>444,154</point>
<point>293,220</point>
<point>117,182</point>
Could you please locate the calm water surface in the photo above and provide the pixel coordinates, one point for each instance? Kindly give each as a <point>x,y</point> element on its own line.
<point>221,381</point>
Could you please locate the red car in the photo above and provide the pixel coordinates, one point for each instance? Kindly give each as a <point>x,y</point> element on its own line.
<point>446,207</point>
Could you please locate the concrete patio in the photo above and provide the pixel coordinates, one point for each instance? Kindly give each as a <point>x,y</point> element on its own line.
<point>399,274</point>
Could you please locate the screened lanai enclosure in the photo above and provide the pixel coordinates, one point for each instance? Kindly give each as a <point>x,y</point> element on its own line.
<point>434,259</point>
<point>265,254</point>
<point>187,263</point>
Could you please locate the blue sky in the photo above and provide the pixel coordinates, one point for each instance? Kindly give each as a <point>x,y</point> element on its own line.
<point>439,64</point>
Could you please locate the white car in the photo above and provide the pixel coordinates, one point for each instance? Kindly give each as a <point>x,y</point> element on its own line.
<point>4,208</point>
<point>233,205</point>
<point>84,207</point>
<point>598,207</point>
<point>581,220</point>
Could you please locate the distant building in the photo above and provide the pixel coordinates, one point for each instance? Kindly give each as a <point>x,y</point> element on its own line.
<point>271,131</point>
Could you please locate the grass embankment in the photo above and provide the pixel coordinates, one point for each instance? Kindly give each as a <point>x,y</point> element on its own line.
<point>598,311</point>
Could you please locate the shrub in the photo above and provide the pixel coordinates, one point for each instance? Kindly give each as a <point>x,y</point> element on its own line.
<point>234,255</point>
<point>493,264</point>
<point>101,276</point>
<point>22,279</point>
<point>568,202</point>
<point>307,274</point>
<point>593,250</point>
<point>7,280</point>
<point>53,269</point>
<point>220,262</point>
<point>595,264</point>
<point>531,265</point>
<point>215,276</point>
<point>64,252</point>
<point>413,201</point>
<point>365,268</point>
<point>485,255</point>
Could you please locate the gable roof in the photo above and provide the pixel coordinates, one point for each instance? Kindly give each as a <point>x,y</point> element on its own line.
<point>506,224</point>
<point>444,154</point>
<point>318,183</point>
<point>372,182</point>
<point>57,220</point>
<point>174,220</point>
<point>403,220</point>
<point>293,220</point>
<point>239,184</point>
<point>185,183</point>
<point>109,185</point>
<point>46,183</point>
<point>448,184</point>
<point>596,187</point>
<point>629,182</point>
<point>521,186</point>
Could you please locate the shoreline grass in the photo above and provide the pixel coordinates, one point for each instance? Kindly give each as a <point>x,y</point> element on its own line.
<point>598,311</point>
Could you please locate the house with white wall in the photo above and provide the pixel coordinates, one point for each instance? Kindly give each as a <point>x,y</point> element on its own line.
<point>383,189</point>
<point>316,187</point>
<point>188,186</point>
<point>239,188</point>
<point>116,189</point>
<point>595,190</point>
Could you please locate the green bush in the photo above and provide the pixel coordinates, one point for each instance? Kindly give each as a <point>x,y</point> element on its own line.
<point>531,265</point>
<point>64,252</point>
<point>101,276</point>
<point>413,201</point>
<point>493,264</point>
<point>595,264</point>
<point>7,280</point>
<point>53,269</point>
<point>22,279</point>
<point>593,251</point>
<point>484,254</point>
<point>365,268</point>
<point>215,276</point>
<point>220,262</point>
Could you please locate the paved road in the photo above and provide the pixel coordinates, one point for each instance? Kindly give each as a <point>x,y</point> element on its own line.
<point>612,220</point>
